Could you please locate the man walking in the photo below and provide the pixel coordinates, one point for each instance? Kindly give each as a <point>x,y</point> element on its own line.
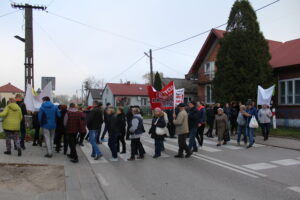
<point>201,122</point>
<point>72,122</point>
<point>12,115</point>
<point>106,121</point>
<point>93,121</point>
<point>193,117</point>
<point>20,102</point>
<point>47,118</point>
<point>182,129</point>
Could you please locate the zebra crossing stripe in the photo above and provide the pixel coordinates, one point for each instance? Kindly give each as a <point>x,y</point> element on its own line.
<point>87,150</point>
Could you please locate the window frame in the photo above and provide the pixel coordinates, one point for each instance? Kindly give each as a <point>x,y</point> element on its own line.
<point>211,95</point>
<point>286,81</point>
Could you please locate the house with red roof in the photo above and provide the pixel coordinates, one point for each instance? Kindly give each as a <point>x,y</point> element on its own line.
<point>285,63</point>
<point>9,91</point>
<point>125,94</point>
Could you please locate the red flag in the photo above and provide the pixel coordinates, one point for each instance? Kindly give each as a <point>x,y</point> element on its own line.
<point>163,99</point>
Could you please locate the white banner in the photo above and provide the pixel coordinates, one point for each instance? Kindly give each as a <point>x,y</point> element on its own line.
<point>264,96</point>
<point>179,96</point>
<point>33,103</point>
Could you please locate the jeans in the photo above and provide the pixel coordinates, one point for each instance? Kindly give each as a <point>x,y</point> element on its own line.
<point>265,130</point>
<point>92,136</point>
<point>250,134</point>
<point>112,143</point>
<point>72,144</point>
<point>12,135</point>
<point>49,139</point>
<point>182,144</point>
<point>158,142</point>
<point>241,130</point>
<point>192,141</point>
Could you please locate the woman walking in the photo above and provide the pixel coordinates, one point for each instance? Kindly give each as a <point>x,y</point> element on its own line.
<point>158,131</point>
<point>12,115</point>
<point>121,119</point>
<point>136,131</point>
<point>221,125</point>
<point>264,118</point>
<point>241,128</point>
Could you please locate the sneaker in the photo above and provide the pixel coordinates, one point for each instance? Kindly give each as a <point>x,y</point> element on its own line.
<point>140,157</point>
<point>93,156</point>
<point>249,146</point>
<point>103,140</point>
<point>48,156</point>
<point>34,144</point>
<point>178,156</point>
<point>19,152</point>
<point>7,152</point>
<point>123,152</point>
<point>218,145</point>
<point>155,156</point>
<point>98,157</point>
<point>195,150</point>
<point>113,159</point>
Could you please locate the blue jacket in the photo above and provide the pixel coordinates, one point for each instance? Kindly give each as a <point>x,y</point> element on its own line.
<point>252,111</point>
<point>50,112</point>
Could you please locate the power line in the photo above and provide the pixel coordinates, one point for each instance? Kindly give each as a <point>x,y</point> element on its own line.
<point>207,31</point>
<point>6,14</point>
<point>167,66</point>
<point>129,67</point>
<point>115,34</point>
<point>102,30</point>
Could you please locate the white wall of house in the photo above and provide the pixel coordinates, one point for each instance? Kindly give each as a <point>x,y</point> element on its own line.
<point>107,96</point>
<point>90,100</point>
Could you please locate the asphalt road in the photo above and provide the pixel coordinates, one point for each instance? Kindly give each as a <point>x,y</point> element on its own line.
<point>229,172</point>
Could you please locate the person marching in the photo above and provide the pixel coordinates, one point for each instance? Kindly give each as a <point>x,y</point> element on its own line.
<point>221,125</point>
<point>12,115</point>
<point>182,129</point>
<point>264,117</point>
<point>121,118</point>
<point>136,131</point>
<point>158,131</point>
<point>193,125</point>
<point>47,118</point>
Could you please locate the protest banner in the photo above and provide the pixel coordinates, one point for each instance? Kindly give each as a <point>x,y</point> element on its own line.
<point>264,96</point>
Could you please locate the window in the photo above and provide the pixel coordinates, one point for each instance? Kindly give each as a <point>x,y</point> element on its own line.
<point>208,94</point>
<point>143,101</point>
<point>209,68</point>
<point>289,91</point>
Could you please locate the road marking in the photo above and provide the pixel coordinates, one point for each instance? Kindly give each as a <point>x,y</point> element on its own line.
<point>286,162</point>
<point>102,180</point>
<point>294,188</point>
<point>232,147</point>
<point>217,162</point>
<point>210,149</point>
<point>87,150</point>
<point>151,152</point>
<point>260,166</point>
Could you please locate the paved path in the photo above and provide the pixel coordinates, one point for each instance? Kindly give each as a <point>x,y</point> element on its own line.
<point>81,182</point>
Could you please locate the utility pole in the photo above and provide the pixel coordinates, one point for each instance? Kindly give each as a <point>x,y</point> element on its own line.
<point>29,72</point>
<point>151,65</point>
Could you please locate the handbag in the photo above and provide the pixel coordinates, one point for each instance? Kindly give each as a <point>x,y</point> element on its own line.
<point>158,130</point>
<point>253,122</point>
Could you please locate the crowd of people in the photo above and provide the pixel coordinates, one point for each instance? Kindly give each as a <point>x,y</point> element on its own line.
<point>73,124</point>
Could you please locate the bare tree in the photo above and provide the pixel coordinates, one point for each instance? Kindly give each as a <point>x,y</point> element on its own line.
<point>61,99</point>
<point>147,76</point>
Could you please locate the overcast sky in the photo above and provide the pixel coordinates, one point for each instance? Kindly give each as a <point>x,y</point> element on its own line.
<point>117,33</point>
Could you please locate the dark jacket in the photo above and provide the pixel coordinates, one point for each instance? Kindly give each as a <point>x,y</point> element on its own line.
<point>233,114</point>
<point>72,121</point>
<point>157,122</point>
<point>82,123</point>
<point>202,115</point>
<point>60,127</point>
<point>129,117</point>
<point>116,125</point>
<point>210,115</point>
<point>23,109</point>
<point>94,119</point>
<point>35,121</point>
<point>193,118</point>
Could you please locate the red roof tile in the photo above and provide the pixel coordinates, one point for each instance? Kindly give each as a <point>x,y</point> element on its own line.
<point>283,54</point>
<point>128,89</point>
<point>10,88</point>
<point>287,54</point>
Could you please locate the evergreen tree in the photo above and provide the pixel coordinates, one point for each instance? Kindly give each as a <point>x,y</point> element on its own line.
<point>157,82</point>
<point>3,102</point>
<point>243,58</point>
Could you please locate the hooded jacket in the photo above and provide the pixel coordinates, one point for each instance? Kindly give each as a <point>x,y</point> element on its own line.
<point>49,111</point>
<point>12,115</point>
